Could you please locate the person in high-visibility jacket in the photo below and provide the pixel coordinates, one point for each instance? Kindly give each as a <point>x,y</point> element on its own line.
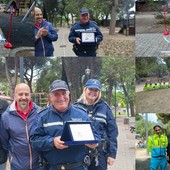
<point>157,144</point>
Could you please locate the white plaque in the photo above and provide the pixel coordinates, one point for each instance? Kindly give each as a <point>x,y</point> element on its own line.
<point>88,37</point>
<point>81,132</point>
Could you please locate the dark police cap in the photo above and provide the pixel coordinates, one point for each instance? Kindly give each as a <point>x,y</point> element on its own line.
<point>93,83</point>
<point>58,85</point>
<point>84,11</point>
<point>3,106</point>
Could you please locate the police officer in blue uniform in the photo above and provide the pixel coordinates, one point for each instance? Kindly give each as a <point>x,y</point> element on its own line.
<point>104,122</point>
<point>46,135</point>
<point>85,35</point>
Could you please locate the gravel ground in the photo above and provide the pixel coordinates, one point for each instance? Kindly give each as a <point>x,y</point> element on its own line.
<point>147,23</point>
<point>117,45</point>
<point>155,101</point>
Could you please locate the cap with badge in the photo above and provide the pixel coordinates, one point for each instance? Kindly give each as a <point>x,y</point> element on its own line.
<point>93,83</point>
<point>58,85</point>
<point>84,11</point>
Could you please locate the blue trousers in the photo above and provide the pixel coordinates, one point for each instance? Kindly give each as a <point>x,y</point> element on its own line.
<point>155,163</point>
<point>102,162</point>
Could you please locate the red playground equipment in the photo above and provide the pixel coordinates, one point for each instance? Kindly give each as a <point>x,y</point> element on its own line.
<point>8,43</point>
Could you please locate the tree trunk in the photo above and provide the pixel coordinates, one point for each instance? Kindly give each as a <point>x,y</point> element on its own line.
<point>110,93</point>
<point>113,17</point>
<point>72,18</point>
<point>129,101</point>
<point>132,109</point>
<point>105,24</point>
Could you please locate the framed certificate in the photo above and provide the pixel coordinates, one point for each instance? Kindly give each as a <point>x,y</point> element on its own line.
<point>88,37</point>
<point>78,133</point>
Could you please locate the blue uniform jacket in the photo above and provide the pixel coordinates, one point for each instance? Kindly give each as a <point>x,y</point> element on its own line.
<point>14,136</point>
<point>44,46</point>
<point>86,49</point>
<point>104,123</point>
<point>49,124</point>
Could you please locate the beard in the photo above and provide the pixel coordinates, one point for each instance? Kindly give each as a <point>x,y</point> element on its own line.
<point>24,104</point>
<point>39,20</point>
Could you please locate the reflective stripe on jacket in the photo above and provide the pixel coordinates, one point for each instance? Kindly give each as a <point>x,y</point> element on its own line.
<point>49,124</point>
<point>105,124</point>
<point>157,145</point>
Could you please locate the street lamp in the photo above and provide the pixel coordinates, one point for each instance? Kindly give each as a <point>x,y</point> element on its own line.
<point>115,97</point>
<point>85,76</point>
<point>146,124</point>
<point>87,72</point>
<point>115,86</point>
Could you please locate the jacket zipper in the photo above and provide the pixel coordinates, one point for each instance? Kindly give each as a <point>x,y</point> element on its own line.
<point>42,42</point>
<point>30,151</point>
<point>12,156</point>
<point>43,46</point>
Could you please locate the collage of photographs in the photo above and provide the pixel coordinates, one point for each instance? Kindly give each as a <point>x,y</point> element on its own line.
<point>85,85</point>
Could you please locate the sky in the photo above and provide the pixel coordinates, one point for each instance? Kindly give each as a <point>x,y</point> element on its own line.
<point>151,117</point>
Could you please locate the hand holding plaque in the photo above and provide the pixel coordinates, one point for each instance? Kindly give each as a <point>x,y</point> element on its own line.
<point>78,133</point>
<point>88,37</point>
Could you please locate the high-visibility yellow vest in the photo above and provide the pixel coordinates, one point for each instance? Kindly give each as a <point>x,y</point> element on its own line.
<point>157,144</point>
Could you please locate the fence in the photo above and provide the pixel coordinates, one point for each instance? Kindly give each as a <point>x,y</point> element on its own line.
<point>40,99</point>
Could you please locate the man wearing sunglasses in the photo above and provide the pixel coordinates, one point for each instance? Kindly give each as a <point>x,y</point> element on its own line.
<point>157,144</point>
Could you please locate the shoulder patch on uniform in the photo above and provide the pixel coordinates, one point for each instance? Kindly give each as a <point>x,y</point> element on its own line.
<point>41,109</point>
<point>107,105</point>
<point>94,22</point>
<point>76,23</point>
<point>80,107</point>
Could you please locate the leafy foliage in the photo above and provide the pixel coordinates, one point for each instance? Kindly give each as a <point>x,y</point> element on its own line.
<point>50,72</point>
<point>120,71</point>
<point>141,127</point>
<point>165,119</point>
<point>146,66</point>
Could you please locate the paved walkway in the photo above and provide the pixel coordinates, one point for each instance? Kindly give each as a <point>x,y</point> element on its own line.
<point>152,45</point>
<point>63,48</point>
<point>126,146</point>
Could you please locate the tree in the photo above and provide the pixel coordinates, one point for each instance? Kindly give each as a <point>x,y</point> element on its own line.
<point>73,70</point>
<point>165,119</point>
<point>121,71</point>
<point>140,127</point>
<point>32,68</point>
<point>69,69</point>
<point>51,72</point>
<point>145,66</point>
<point>113,17</point>
<point>138,117</point>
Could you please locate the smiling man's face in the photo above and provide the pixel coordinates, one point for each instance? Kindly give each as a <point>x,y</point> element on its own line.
<point>38,16</point>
